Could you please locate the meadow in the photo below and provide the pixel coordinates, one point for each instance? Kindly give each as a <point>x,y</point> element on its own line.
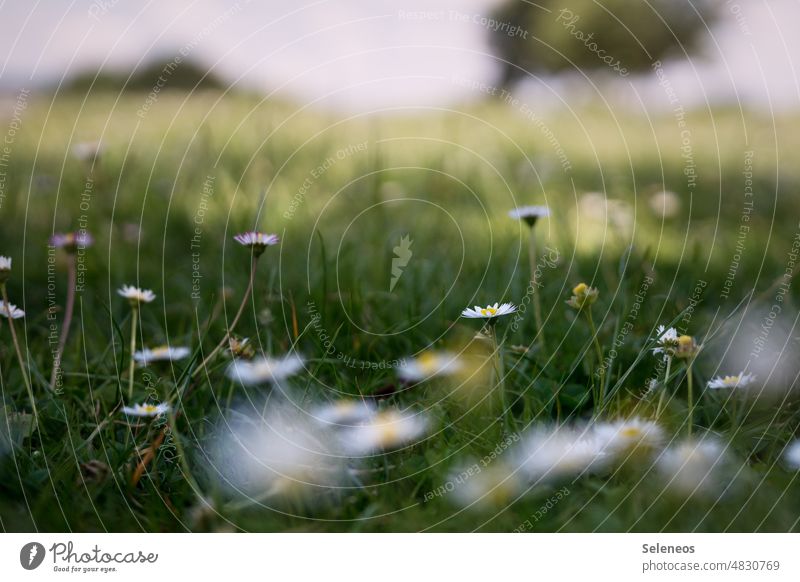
<point>390,225</point>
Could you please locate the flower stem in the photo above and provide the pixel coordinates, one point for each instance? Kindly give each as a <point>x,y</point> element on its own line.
<point>68,310</point>
<point>690,394</point>
<point>21,360</point>
<point>134,321</point>
<point>499,372</point>
<point>663,388</point>
<point>235,320</point>
<point>537,306</point>
<point>599,352</point>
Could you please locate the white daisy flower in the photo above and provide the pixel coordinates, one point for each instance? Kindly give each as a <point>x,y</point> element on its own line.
<point>560,453</point>
<point>10,311</point>
<point>740,380</point>
<point>136,295</point>
<point>530,214</point>
<point>791,455</point>
<point>345,412</point>
<point>386,430</point>
<point>263,369</point>
<point>693,467</point>
<point>257,241</point>
<point>71,241</point>
<point>489,312</point>
<point>495,485</point>
<point>282,453</point>
<point>146,409</point>
<point>161,354</point>
<point>87,151</point>
<point>627,436</point>
<point>429,364</point>
<point>5,263</point>
<point>667,340</point>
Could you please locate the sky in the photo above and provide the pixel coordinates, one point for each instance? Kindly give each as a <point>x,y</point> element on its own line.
<point>372,55</point>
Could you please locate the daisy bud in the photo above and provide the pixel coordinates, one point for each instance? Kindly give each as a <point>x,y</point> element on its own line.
<point>582,296</point>
<point>686,347</point>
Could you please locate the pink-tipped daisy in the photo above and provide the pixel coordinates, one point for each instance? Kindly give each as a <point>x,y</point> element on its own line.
<point>71,241</point>
<point>257,241</point>
<point>10,311</point>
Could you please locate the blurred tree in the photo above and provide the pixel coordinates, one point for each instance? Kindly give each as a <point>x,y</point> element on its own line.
<point>623,36</point>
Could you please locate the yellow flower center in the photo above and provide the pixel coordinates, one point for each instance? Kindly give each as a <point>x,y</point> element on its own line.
<point>488,311</point>
<point>685,341</point>
<point>630,431</point>
<point>149,408</point>
<point>427,361</point>
<point>580,289</point>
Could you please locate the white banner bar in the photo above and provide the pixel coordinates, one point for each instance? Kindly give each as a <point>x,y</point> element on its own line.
<point>400,557</point>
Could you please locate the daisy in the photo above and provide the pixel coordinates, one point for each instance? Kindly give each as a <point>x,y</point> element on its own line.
<point>87,151</point>
<point>345,412</point>
<point>693,467</point>
<point>495,486</point>
<point>5,263</point>
<point>386,430</point>
<point>71,241</point>
<point>282,453</point>
<point>560,453</point>
<point>686,347</point>
<point>10,311</point>
<point>161,354</point>
<point>136,295</point>
<point>667,341</point>
<point>791,455</point>
<point>741,380</point>
<point>257,241</point>
<point>628,436</point>
<point>146,409</point>
<point>489,312</point>
<point>428,365</point>
<point>582,296</point>
<point>530,214</point>
<point>264,369</point>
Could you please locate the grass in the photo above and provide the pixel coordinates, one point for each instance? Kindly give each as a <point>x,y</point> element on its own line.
<point>171,189</point>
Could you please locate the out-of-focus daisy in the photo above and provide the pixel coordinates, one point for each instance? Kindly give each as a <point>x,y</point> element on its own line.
<point>665,204</point>
<point>161,354</point>
<point>241,348</point>
<point>628,436</point>
<point>345,412</point>
<point>135,295</point>
<point>428,365</point>
<point>694,467</point>
<point>262,370</point>
<point>283,453</point>
<point>5,269</point>
<point>10,311</point>
<point>71,241</point>
<point>667,341</point>
<point>791,455</point>
<point>489,312</point>
<point>559,453</point>
<point>87,151</point>
<point>146,409</point>
<point>740,380</point>
<point>257,241</point>
<point>493,486</point>
<point>582,296</point>
<point>530,214</point>
<point>386,430</point>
